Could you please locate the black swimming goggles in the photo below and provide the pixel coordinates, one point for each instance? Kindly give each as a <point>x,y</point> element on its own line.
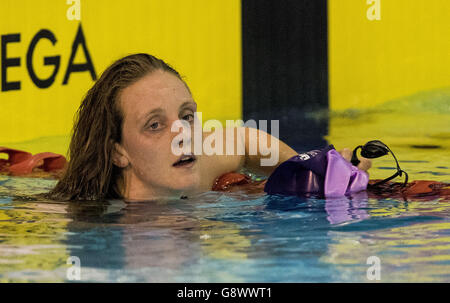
<point>375,149</point>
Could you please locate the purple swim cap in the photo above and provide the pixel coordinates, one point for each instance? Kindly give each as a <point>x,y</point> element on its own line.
<point>323,173</point>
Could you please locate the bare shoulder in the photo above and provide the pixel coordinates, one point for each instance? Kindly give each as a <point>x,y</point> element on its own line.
<point>220,154</point>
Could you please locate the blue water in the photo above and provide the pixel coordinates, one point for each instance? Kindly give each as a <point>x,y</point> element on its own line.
<point>221,237</point>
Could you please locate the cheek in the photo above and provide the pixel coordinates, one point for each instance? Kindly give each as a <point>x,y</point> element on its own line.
<point>146,155</point>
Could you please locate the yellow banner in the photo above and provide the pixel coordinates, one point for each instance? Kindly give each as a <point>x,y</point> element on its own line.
<point>52,51</point>
<point>381,50</point>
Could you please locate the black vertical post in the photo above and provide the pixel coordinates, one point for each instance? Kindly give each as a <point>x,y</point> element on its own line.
<point>285,67</point>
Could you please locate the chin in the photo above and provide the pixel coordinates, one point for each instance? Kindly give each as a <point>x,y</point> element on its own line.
<point>187,184</point>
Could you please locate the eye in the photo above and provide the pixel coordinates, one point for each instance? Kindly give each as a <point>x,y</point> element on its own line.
<point>189,117</point>
<point>155,126</point>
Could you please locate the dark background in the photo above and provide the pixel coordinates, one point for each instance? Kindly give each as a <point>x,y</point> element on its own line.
<point>285,67</point>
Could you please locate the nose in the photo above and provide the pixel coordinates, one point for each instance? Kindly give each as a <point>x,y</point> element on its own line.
<point>182,137</point>
<point>186,139</point>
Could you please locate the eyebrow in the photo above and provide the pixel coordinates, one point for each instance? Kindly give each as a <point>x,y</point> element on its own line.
<point>160,110</point>
<point>147,115</point>
<point>188,103</point>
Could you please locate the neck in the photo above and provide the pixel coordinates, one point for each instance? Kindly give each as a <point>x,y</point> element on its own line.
<point>133,189</point>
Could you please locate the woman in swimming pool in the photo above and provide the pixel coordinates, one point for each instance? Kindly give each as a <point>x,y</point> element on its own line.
<point>122,138</point>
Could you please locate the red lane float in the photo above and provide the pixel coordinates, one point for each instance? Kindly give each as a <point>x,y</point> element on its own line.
<point>20,163</point>
<point>14,157</point>
<point>421,190</point>
<point>229,179</point>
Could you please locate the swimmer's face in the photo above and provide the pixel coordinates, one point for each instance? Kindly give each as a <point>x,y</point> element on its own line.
<point>150,106</point>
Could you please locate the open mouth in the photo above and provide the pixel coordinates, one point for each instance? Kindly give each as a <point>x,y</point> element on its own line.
<point>184,160</point>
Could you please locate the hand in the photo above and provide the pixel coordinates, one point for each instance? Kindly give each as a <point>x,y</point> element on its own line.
<point>365,163</point>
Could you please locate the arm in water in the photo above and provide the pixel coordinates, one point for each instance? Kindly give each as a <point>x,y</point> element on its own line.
<point>249,148</point>
<point>271,152</point>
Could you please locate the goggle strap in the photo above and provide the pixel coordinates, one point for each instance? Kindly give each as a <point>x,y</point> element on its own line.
<point>355,161</point>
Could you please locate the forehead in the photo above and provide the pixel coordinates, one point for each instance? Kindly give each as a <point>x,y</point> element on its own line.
<point>158,89</point>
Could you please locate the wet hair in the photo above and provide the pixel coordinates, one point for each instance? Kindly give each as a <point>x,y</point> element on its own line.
<point>90,173</point>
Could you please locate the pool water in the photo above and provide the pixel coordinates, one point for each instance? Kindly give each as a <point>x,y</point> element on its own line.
<point>241,237</point>
<point>220,237</point>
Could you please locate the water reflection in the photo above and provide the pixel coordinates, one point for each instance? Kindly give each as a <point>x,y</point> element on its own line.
<point>31,240</point>
<point>224,237</point>
<point>414,252</point>
<point>345,209</point>
<point>152,242</point>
